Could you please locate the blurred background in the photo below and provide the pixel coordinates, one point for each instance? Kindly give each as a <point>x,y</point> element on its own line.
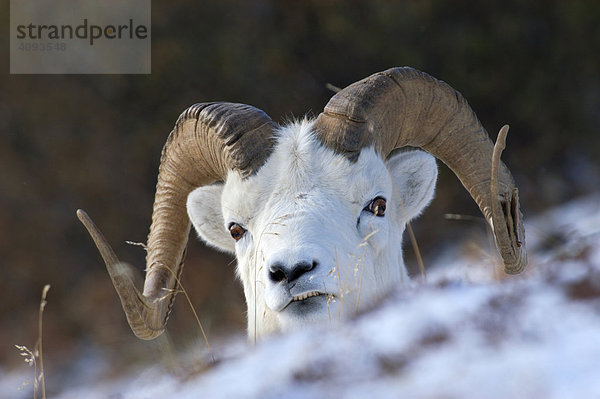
<point>94,141</point>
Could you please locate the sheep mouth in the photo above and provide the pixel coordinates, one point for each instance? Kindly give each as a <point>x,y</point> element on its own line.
<point>306,295</point>
<point>306,302</point>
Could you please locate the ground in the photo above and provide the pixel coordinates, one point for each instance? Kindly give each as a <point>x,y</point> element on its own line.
<point>462,334</point>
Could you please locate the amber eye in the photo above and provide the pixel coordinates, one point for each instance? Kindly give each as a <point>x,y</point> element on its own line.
<point>377,206</point>
<point>236,231</point>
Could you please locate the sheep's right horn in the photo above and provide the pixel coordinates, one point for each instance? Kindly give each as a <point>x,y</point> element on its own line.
<point>405,107</point>
<point>208,140</point>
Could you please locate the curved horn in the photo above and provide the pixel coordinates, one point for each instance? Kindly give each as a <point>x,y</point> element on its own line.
<point>405,107</point>
<point>208,140</point>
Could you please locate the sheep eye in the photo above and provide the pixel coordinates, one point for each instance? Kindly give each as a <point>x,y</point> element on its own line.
<point>377,206</point>
<point>236,231</point>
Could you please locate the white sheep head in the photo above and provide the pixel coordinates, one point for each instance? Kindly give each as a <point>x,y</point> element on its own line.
<point>316,237</point>
<point>313,211</point>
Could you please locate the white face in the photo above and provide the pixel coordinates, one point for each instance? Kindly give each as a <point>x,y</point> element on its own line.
<point>316,237</point>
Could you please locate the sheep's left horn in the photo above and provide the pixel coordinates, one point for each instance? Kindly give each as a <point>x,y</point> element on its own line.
<point>208,140</point>
<point>405,107</point>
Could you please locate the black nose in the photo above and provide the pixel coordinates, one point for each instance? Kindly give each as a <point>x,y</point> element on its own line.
<point>278,271</point>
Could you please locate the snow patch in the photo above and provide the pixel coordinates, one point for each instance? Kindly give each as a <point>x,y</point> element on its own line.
<point>532,336</point>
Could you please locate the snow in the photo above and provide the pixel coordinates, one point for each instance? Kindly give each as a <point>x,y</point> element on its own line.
<point>464,334</point>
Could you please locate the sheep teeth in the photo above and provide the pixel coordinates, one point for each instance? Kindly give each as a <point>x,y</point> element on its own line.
<point>306,295</point>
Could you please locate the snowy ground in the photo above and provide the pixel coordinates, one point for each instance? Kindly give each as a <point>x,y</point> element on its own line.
<point>461,335</point>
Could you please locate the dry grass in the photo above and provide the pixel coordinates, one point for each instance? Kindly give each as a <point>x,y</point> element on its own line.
<point>34,358</point>
<point>359,261</point>
<point>193,309</point>
<point>257,268</point>
<point>417,251</point>
<point>491,254</point>
<point>331,298</point>
<point>413,239</point>
<point>166,343</point>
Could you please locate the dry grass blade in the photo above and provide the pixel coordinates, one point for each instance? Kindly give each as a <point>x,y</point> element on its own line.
<point>362,273</point>
<point>490,235</point>
<point>38,345</point>
<point>137,244</point>
<point>469,218</point>
<point>279,222</point>
<point>359,262</point>
<point>189,301</point>
<point>35,358</point>
<point>415,245</point>
<point>413,241</point>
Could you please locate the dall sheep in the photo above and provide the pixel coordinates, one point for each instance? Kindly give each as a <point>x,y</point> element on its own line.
<point>314,211</point>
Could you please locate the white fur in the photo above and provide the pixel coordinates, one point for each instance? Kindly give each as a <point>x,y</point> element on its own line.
<point>306,205</point>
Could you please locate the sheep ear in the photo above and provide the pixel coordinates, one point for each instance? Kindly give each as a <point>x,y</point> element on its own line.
<point>414,174</point>
<point>204,210</point>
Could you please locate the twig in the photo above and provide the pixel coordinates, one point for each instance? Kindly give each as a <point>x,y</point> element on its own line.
<point>35,356</point>
<point>137,244</point>
<point>469,218</point>
<point>187,297</point>
<point>38,345</point>
<point>415,245</point>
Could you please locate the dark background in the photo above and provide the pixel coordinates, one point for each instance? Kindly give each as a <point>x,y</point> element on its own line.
<point>94,141</point>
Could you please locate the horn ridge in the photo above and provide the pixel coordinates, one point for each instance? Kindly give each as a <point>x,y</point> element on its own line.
<point>406,107</point>
<point>208,140</point>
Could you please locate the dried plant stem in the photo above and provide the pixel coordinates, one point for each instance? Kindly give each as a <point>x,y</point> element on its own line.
<point>468,218</point>
<point>490,235</point>
<point>413,241</point>
<point>362,273</point>
<point>187,297</point>
<point>341,284</point>
<point>279,222</point>
<point>169,358</point>
<point>35,357</point>
<point>256,286</point>
<point>255,293</point>
<point>189,301</point>
<point>256,283</point>
<point>38,345</point>
<point>493,253</point>
<point>415,245</point>
<point>360,260</point>
<point>137,244</point>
